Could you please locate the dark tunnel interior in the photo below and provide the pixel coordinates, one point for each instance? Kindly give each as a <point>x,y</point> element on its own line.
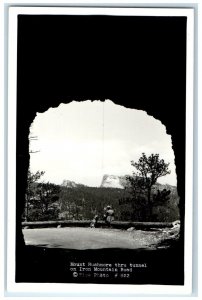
<point>137,62</point>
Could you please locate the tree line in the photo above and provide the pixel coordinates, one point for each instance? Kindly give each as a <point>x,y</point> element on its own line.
<point>142,199</point>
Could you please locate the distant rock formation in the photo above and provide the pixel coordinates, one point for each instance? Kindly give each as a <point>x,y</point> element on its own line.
<point>71,184</point>
<point>113,181</point>
<point>120,182</point>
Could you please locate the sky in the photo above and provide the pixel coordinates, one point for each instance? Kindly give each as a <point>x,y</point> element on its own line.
<point>82,141</point>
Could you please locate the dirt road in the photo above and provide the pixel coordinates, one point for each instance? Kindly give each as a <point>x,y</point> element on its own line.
<point>90,238</point>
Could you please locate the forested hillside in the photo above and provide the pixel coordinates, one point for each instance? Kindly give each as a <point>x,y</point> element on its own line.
<point>71,201</point>
<point>84,202</point>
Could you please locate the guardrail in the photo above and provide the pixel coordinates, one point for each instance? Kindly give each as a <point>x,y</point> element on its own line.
<point>86,223</point>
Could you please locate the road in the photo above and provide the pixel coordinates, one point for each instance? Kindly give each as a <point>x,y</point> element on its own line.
<point>90,238</point>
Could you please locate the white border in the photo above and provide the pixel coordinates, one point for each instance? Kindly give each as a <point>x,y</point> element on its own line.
<point>91,289</point>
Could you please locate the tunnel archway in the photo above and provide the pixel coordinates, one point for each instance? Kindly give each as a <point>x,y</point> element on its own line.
<point>26,160</point>
<point>137,62</point>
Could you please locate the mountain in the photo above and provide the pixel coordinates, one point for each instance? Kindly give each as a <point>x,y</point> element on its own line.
<point>71,184</point>
<point>113,181</point>
<point>160,187</point>
<point>116,182</point>
<point>120,182</point>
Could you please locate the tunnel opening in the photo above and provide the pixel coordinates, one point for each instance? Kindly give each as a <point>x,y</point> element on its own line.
<point>146,72</point>
<point>90,146</point>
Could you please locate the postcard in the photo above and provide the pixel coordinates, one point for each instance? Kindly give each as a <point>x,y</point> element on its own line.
<point>100,133</point>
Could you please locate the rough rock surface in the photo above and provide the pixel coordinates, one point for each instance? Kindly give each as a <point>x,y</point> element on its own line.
<point>113,181</point>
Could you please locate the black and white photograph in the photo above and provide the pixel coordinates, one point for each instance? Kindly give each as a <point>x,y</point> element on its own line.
<point>95,184</point>
<point>103,135</point>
